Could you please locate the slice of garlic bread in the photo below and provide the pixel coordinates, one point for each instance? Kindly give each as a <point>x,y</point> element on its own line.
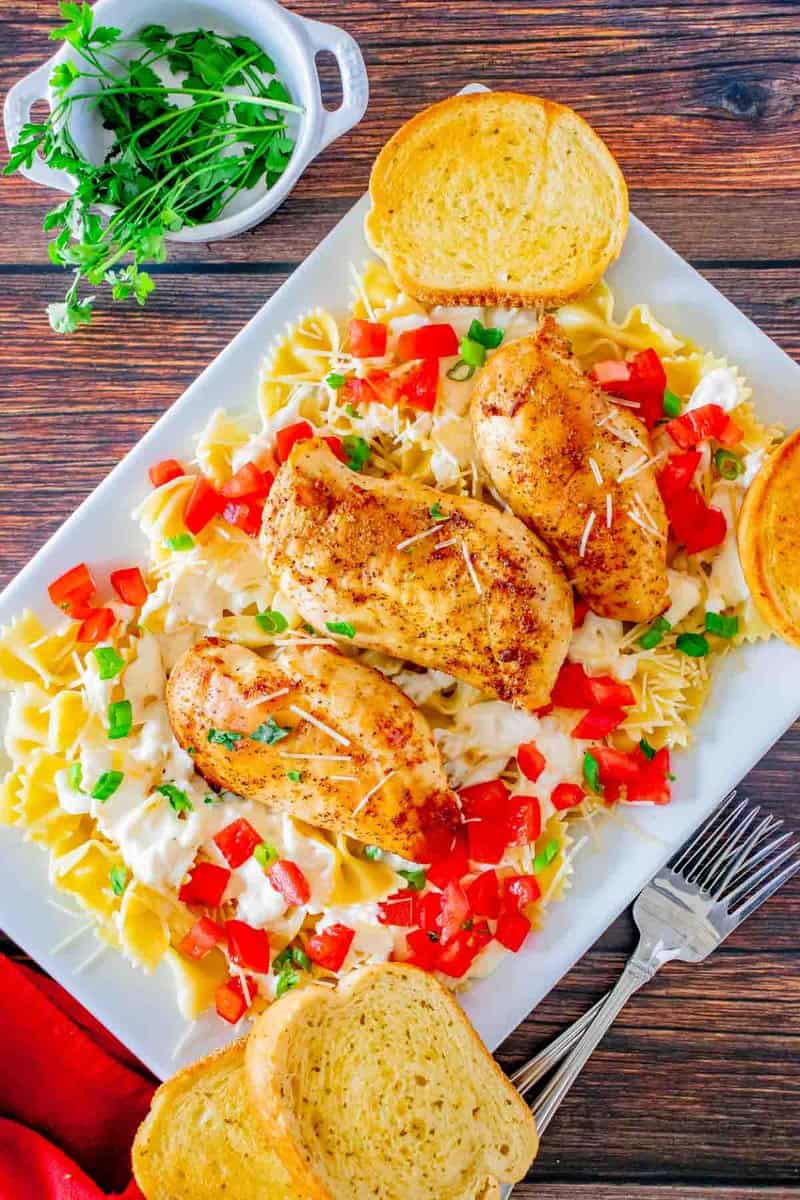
<point>496,198</point>
<point>202,1139</point>
<point>383,1091</point>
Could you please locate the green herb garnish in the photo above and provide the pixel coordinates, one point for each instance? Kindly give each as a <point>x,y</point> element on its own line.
<point>437,512</point>
<point>269,732</point>
<point>472,353</point>
<point>357,452</point>
<point>416,879</point>
<point>545,856</point>
<point>265,854</point>
<point>224,737</point>
<point>591,773</point>
<point>485,336</point>
<point>352,412</point>
<point>693,644</point>
<point>461,371</point>
<point>182,146</point>
<point>212,798</point>
<point>181,541</point>
<point>373,853</point>
<point>647,750</point>
<point>344,628</point>
<point>178,800</point>
<point>75,776</point>
<point>722,626</point>
<point>654,636</point>
<point>120,719</point>
<point>119,879</point>
<point>291,956</point>
<point>672,404</point>
<point>295,776</point>
<point>272,621</point>
<point>729,465</point>
<point>287,980</point>
<point>335,381</point>
<point>106,785</point>
<point>109,663</point>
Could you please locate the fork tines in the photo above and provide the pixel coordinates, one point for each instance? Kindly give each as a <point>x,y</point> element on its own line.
<point>735,858</point>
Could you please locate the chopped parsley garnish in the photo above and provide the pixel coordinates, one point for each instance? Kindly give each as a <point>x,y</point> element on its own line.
<point>693,644</point>
<point>672,404</point>
<point>309,628</point>
<point>224,737</point>
<point>654,636</point>
<point>373,853</point>
<point>488,337</point>
<point>120,719</point>
<point>416,879</point>
<point>591,773</point>
<point>106,785</point>
<point>75,776</point>
<point>109,663</point>
<point>269,732</point>
<point>335,381</point>
<point>178,800</point>
<point>272,621</point>
<point>436,511</point>
<point>545,856</point>
<point>119,879</point>
<point>647,750</point>
<point>295,776</point>
<point>352,412</point>
<point>265,854</point>
<point>722,626</point>
<point>191,751</point>
<point>181,541</point>
<point>357,451</point>
<point>212,798</point>
<point>341,627</point>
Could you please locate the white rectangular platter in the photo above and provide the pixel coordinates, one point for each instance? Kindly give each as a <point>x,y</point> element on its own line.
<point>756,694</point>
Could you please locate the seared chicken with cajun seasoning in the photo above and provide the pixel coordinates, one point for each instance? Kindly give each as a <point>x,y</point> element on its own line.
<point>576,468</point>
<point>362,758</point>
<point>439,580</point>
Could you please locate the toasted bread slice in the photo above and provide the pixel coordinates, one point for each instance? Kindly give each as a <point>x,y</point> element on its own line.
<point>769,540</point>
<point>383,1091</point>
<point>202,1139</point>
<point>499,199</point>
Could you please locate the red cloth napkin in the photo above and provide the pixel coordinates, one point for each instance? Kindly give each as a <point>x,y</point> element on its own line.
<point>71,1096</point>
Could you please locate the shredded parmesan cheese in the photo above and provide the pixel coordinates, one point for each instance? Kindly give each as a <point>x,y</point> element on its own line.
<point>640,465</point>
<point>442,545</point>
<point>71,937</point>
<point>87,962</point>
<point>418,536</point>
<point>609,510</point>
<point>476,583</point>
<point>263,699</point>
<point>371,793</point>
<point>596,471</point>
<point>312,720</point>
<point>587,529</point>
<point>325,757</point>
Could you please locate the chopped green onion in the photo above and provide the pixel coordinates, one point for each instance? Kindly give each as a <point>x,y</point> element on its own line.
<point>416,878</point>
<point>120,719</point>
<point>461,371</point>
<point>224,737</point>
<point>546,856</point>
<point>357,451</point>
<point>672,404</point>
<point>437,512</point>
<point>591,773</point>
<point>693,644</point>
<point>212,798</point>
<point>485,336</point>
<point>722,626</point>
<point>181,541</point>
<point>106,785</point>
<point>647,750</point>
<point>473,353</point>
<point>729,465</point>
<point>335,381</point>
<point>654,636</point>
<point>309,629</point>
<point>191,750</point>
<point>352,412</point>
<point>119,879</point>
<point>291,955</point>
<point>295,776</point>
<point>287,980</point>
<point>300,958</point>
<point>341,627</point>
<point>75,776</point>
<point>265,854</point>
<point>272,621</point>
<point>269,732</point>
<point>109,663</point>
<point>178,800</point>
<point>373,853</point>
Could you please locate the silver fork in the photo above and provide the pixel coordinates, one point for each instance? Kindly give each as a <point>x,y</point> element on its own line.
<point>731,866</point>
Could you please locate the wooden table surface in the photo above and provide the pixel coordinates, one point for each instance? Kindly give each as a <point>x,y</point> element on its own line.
<point>695,1091</point>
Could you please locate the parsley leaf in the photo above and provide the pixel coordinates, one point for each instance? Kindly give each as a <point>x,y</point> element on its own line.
<point>119,879</point>
<point>223,737</point>
<point>357,452</point>
<point>178,800</point>
<point>344,628</point>
<point>269,732</point>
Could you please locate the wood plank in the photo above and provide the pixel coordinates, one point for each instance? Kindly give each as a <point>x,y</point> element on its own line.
<point>534,1189</point>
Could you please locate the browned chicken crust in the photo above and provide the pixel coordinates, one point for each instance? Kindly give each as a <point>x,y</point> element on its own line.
<point>379,735</point>
<point>478,596</point>
<point>539,423</point>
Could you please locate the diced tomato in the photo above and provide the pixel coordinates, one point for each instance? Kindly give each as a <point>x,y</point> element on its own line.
<point>204,935</point>
<point>699,526</point>
<point>245,516</point>
<point>487,839</point>
<point>422,950</point>
<point>367,338</point>
<point>429,341</point>
<point>400,909</point>
<point>598,722</point>
<point>286,438</point>
<point>130,586</point>
<point>511,931</point>
<point>96,627</point>
<point>419,386</point>
<point>287,878</point>
<point>483,895</point>
<point>378,387</point>
<point>608,692</point>
<point>523,820</point>
<point>486,800</point>
<point>237,841</point>
<point>641,380</point>
<point>519,891</point>
<point>708,421</point>
<point>203,504</point>
<point>430,912</point>
<point>231,1003</point>
<point>530,760</point>
<point>328,948</point>
<point>575,689</point>
<point>544,710</point>
<point>455,911</point>
<point>452,865</point>
<point>456,956</point>
<point>678,473</point>
<point>336,446</point>
<point>205,885</point>
<point>580,610</point>
<point>566,795</point>
<point>248,947</point>
<point>615,766</point>
<point>652,783</point>
<point>74,585</point>
<point>164,471</point>
<point>248,483</point>
<point>78,604</point>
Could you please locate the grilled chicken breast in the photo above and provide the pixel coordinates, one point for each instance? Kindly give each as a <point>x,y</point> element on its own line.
<point>367,763</point>
<point>555,447</point>
<point>438,580</point>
